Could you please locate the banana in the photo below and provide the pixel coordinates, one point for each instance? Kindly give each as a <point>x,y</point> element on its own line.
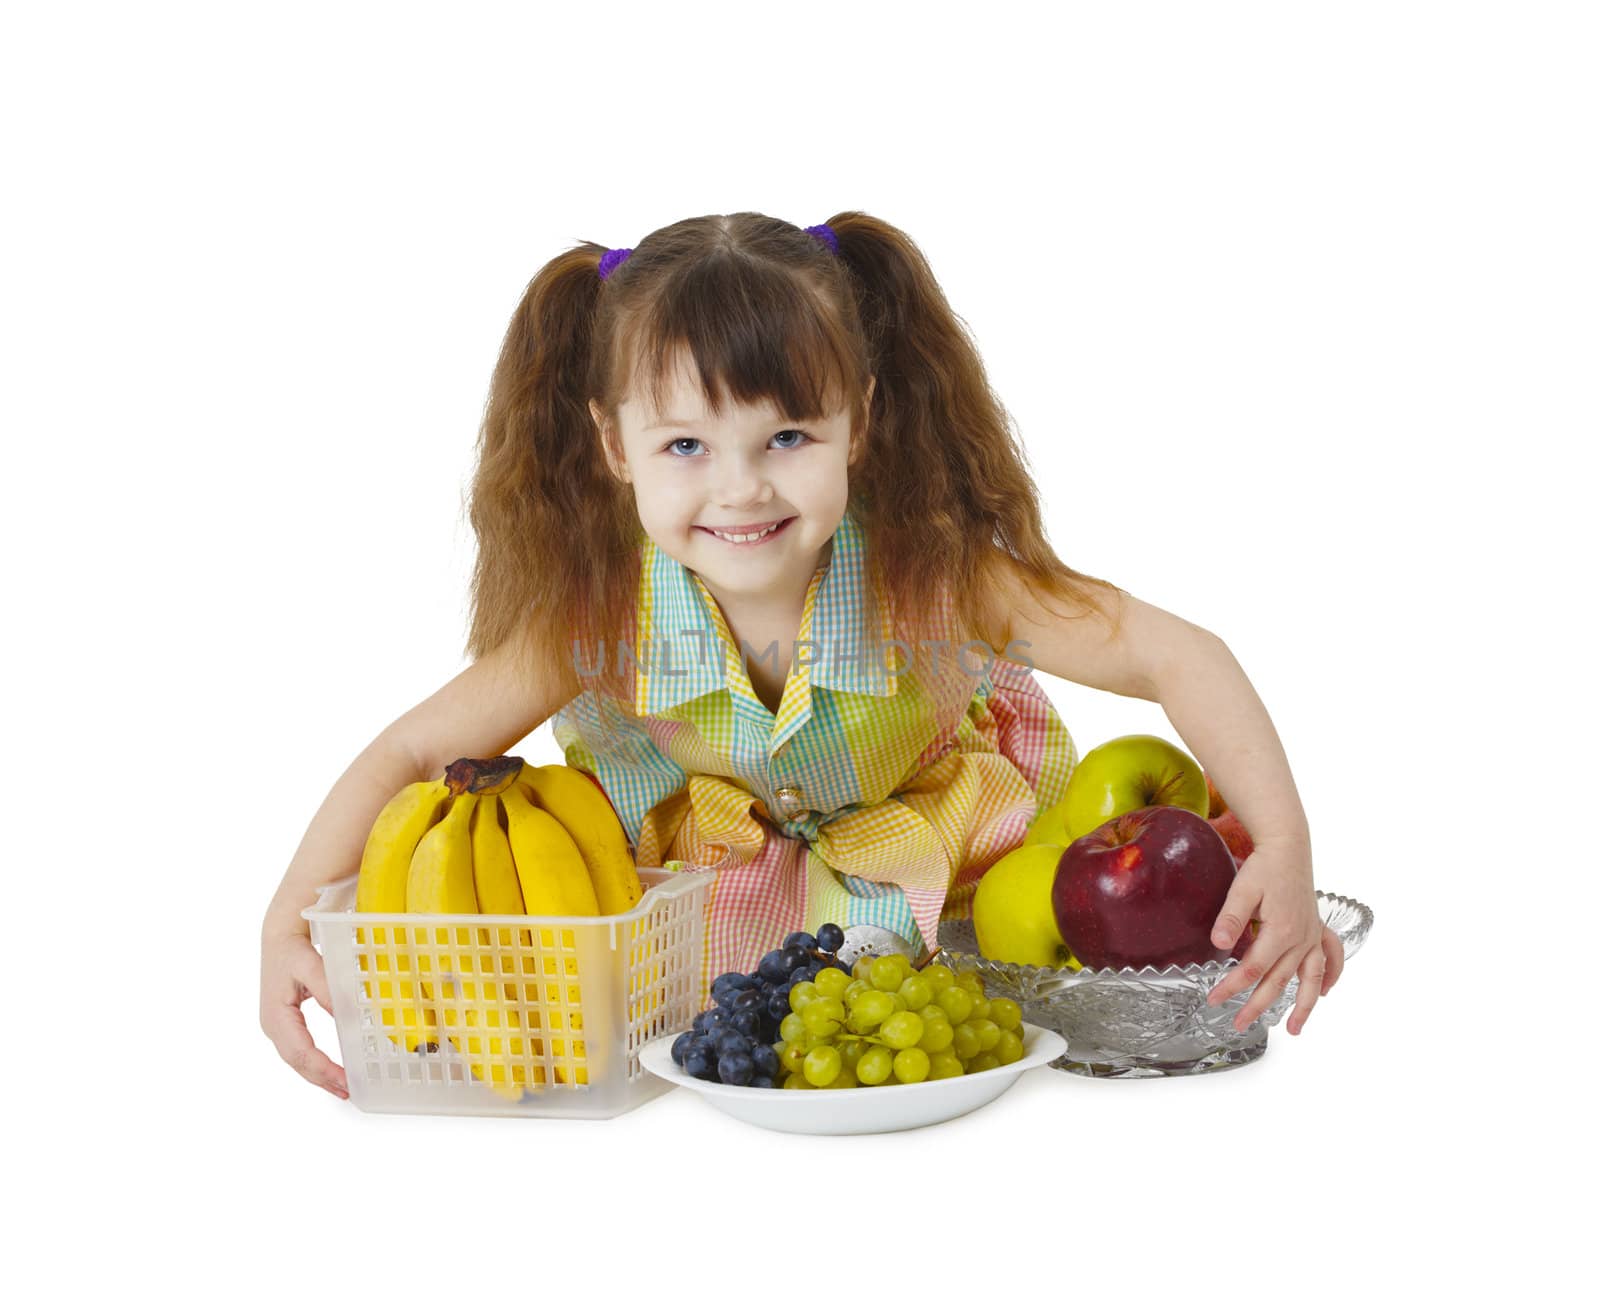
<point>494,874</point>
<point>441,880</point>
<point>440,876</point>
<point>494,877</point>
<point>569,796</point>
<point>381,887</point>
<point>554,877</point>
<point>555,883</point>
<point>582,807</point>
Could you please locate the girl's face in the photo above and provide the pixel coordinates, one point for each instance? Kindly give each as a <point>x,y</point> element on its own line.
<point>694,476</point>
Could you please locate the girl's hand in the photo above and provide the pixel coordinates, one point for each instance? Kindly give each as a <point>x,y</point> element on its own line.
<point>291,972</point>
<point>1274,885</point>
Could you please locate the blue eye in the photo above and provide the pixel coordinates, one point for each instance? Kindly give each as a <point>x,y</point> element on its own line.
<point>791,431</point>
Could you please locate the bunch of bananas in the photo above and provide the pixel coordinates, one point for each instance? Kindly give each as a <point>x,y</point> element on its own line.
<point>499,837</point>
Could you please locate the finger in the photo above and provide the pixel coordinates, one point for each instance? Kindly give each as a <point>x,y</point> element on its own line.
<point>295,1046</point>
<point>1333,950</point>
<point>1312,970</point>
<point>1245,972</point>
<point>1237,909</point>
<point>311,973</point>
<point>1268,961</point>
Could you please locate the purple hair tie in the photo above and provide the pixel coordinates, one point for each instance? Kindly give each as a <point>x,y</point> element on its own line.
<point>824,233</point>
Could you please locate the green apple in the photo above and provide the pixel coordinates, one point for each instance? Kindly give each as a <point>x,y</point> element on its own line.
<point>1012,910</point>
<point>1131,771</point>
<point>1049,827</point>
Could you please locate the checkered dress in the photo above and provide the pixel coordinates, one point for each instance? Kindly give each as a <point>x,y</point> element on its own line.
<point>880,792</point>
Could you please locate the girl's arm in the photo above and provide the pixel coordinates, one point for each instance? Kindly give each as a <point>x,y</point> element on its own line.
<point>480,713</point>
<point>1158,656</point>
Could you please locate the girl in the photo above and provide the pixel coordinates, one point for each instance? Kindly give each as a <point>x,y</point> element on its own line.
<point>751,528</point>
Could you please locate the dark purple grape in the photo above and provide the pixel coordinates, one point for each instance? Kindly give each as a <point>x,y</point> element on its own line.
<point>766,1059</point>
<point>730,1041</point>
<point>697,1062</point>
<point>830,939</point>
<point>681,1043</point>
<point>800,939</point>
<point>735,1068</point>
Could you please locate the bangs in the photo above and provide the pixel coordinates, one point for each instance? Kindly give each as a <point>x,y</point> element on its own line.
<point>746,332</point>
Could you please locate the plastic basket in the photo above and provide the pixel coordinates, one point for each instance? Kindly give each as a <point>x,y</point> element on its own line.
<point>510,1016</point>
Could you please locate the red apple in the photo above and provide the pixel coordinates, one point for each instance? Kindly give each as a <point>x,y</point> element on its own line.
<point>1144,890</point>
<point>1234,835</point>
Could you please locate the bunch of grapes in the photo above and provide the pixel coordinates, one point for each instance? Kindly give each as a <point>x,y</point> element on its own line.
<point>884,1022</point>
<point>731,1042</point>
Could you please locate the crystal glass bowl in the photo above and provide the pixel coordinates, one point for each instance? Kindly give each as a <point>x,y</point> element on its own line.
<point>1126,1024</point>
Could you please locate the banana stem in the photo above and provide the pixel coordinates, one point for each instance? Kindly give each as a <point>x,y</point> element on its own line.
<point>482,775</point>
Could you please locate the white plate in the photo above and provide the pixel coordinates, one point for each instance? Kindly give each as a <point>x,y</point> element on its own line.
<point>858,1111</point>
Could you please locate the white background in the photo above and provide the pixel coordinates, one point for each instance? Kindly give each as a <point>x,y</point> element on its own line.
<point>1295,308</point>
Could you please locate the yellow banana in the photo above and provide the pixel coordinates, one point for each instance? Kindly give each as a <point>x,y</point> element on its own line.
<point>569,796</point>
<point>494,874</point>
<point>555,883</point>
<point>494,877</point>
<point>381,887</point>
<point>583,809</point>
<point>554,877</point>
<point>440,881</point>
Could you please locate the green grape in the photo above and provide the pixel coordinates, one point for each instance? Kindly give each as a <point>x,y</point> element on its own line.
<point>792,1055</point>
<point>831,982</point>
<point>899,1001</point>
<point>956,1002</point>
<point>1009,1047</point>
<point>980,1008</point>
<point>800,995</point>
<point>988,1033</point>
<point>823,1065</point>
<point>942,1066</point>
<point>846,1079</point>
<point>875,1065</point>
<point>791,1027</point>
<point>910,1065</point>
<point>939,976</point>
<point>916,991</point>
<point>902,1030</point>
<point>850,1051</point>
<point>885,974</point>
<point>965,1042</point>
<point>983,1062</point>
<point>936,1036</point>
<point>856,987</point>
<point>871,1008</point>
<point>862,970</point>
<point>972,982</point>
<point>794,1080</point>
<point>824,1016</point>
<point>1005,1013</point>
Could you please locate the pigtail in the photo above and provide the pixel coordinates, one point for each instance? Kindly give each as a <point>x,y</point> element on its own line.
<point>556,531</point>
<point>945,486</point>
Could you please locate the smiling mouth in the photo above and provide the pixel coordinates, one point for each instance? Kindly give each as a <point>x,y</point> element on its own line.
<point>748,535</point>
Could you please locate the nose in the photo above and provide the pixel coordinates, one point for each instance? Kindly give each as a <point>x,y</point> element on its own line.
<point>741,483</point>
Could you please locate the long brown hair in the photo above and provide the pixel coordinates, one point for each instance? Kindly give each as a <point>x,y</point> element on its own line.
<point>767,312</point>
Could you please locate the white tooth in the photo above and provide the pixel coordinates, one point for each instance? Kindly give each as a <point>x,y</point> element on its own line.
<point>741,539</point>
